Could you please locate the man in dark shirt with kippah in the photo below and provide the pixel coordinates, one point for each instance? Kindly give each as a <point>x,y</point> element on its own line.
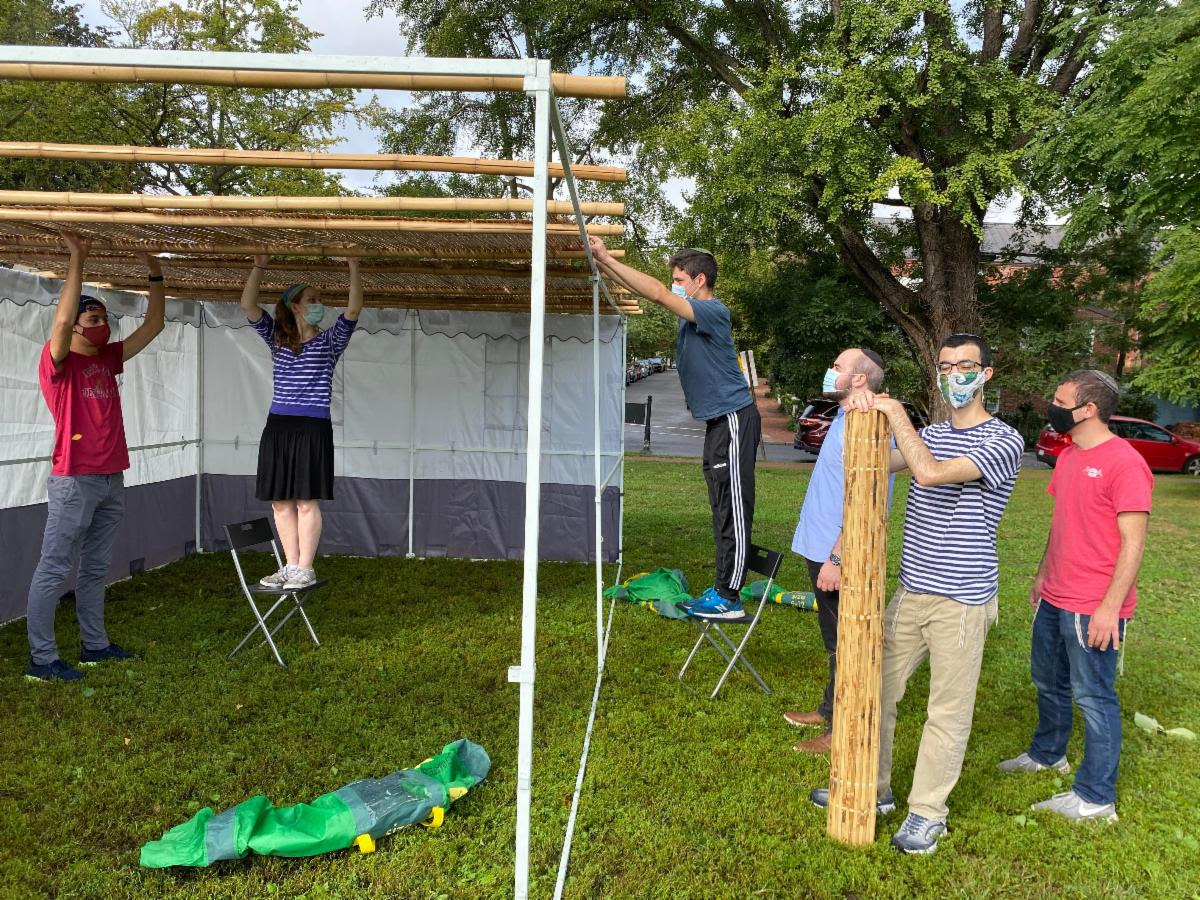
<point>718,395</point>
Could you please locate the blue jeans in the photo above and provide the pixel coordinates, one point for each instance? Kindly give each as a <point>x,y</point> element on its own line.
<point>1063,664</point>
<point>83,516</point>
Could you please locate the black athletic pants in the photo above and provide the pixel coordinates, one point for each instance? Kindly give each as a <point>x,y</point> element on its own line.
<point>730,445</point>
<point>827,620</point>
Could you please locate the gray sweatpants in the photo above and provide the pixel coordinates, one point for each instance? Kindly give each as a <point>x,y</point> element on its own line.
<point>84,514</point>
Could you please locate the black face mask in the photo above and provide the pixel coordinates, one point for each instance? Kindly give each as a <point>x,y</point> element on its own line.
<point>1061,418</point>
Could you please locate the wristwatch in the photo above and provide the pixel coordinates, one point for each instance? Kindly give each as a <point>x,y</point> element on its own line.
<point>835,559</point>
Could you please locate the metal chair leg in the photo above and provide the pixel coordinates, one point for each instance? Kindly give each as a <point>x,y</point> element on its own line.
<point>262,624</point>
<point>738,657</point>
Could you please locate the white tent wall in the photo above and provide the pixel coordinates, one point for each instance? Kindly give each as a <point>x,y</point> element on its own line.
<point>429,401</point>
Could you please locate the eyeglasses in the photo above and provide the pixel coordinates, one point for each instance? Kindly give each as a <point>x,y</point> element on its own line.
<point>963,365</point>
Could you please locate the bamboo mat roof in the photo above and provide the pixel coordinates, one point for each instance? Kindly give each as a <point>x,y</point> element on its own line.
<point>450,263</point>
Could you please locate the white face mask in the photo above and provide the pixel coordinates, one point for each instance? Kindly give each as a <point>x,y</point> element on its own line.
<point>959,388</point>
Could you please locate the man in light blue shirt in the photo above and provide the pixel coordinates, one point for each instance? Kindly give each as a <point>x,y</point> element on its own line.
<point>818,535</point>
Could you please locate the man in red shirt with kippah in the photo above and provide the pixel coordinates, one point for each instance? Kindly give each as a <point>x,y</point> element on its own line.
<point>1084,594</point>
<point>86,492</point>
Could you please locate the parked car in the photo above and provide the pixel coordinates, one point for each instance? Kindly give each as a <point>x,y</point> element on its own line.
<point>1162,450</point>
<point>656,363</point>
<point>813,424</point>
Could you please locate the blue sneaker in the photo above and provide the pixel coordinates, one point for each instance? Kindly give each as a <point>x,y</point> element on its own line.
<point>713,606</point>
<point>709,594</point>
<point>918,834</point>
<point>55,670</point>
<point>94,657</point>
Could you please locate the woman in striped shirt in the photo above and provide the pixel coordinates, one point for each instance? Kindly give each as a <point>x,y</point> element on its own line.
<point>295,453</point>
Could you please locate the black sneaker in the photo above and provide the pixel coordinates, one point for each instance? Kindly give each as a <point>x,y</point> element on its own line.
<point>55,670</point>
<point>112,651</point>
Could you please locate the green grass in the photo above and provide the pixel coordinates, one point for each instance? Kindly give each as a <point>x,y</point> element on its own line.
<point>685,797</point>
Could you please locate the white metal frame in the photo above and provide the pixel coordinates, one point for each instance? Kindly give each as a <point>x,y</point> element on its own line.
<point>537,84</point>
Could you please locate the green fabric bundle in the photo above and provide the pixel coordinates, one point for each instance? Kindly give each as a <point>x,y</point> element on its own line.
<point>358,813</point>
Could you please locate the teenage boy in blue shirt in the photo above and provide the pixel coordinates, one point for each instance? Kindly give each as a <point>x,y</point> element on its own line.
<point>718,395</point>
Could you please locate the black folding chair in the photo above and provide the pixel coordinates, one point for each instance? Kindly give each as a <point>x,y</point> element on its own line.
<point>764,562</point>
<point>254,533</point>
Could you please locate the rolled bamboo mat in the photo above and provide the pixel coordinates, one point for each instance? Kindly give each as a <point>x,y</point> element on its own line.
<point>854,756</point>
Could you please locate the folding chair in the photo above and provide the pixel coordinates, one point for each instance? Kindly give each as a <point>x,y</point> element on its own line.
<point>254,533</point>
<point>764,562</point>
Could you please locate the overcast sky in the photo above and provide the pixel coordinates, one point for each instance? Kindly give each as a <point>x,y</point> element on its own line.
<point>345,28</point>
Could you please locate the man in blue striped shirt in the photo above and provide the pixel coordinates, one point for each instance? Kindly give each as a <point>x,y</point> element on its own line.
<point>964,470</point>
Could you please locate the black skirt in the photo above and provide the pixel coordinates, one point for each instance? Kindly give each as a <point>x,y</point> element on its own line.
<point>295,459</point>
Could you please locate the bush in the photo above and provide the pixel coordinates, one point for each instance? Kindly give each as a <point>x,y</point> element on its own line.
<point>1027,420</point>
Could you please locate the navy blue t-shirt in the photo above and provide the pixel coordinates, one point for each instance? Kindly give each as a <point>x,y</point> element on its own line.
<point>712,380</point>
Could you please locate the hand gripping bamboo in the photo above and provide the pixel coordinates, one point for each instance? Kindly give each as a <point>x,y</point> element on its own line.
<point>854,756</point>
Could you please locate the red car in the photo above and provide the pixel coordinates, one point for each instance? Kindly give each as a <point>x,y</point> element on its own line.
<point>1163,451</point>
<point>813,424</point>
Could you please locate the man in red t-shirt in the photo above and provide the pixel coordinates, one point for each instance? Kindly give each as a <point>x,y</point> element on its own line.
<point>1084,594</point>
<point>85,494</point>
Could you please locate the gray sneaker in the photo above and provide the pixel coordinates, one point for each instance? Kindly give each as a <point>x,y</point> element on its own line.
<point>299,578</point>
<point>1071,806</point>
<point>1026,763</point>
<point>276,580</point>
<point>883,805</point>
<point>918,834</point>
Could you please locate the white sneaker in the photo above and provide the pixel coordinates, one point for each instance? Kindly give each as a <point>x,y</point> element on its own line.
<point>276,580</point>
<point>299,578</point>
<point>1026,763</point>
<point>1071,806</point>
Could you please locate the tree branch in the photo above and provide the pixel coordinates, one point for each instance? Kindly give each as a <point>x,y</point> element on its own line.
<point>721,63</point>
<point>1018,55</point>
<point>993,33</point>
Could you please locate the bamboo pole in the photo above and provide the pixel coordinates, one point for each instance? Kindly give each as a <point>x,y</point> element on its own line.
<point>203,262</point>
<point>565,85</point>
<point>279,203</point>
<point>292,159</point>
<point>314,223</point>
<point>854,755</point>
<point>29,244</point>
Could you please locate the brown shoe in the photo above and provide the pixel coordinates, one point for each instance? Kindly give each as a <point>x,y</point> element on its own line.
<point>820,744</point>
<point>800,719</point>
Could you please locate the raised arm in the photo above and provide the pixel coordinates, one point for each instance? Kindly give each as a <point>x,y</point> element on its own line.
<point>156,311</point>
<point>355,304</point>
<point>68,300</point>
<point>249,299</point>
<point>639,282</point>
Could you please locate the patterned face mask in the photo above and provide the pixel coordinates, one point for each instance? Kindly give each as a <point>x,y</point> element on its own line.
<point>958,388</point>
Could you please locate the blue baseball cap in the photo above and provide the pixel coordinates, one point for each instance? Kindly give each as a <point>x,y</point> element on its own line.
<point>292,292</point>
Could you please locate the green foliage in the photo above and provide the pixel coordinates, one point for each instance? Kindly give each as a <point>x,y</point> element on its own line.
<point>198,116</point>
<point>1125,154</point>
<point>414,653</point>
<point>56,112</point>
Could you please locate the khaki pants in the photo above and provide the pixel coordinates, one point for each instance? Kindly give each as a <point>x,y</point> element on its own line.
<point>951,635</point>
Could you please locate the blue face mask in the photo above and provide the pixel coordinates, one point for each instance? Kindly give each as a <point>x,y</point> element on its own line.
<point>829,383</point>
<point>678,291</point>
<point>314,314</point>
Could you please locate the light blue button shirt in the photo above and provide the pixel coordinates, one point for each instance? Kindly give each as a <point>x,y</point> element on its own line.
<point>821,515</point>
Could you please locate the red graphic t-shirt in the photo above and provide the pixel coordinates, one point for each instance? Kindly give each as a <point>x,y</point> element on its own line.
<point>1090,487</point>
<point>89,430</point>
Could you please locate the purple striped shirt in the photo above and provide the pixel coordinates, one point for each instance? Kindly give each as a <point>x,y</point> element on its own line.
<point>304,383</point>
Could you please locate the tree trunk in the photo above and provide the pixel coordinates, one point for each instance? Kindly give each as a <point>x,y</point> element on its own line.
<point>944,303</point>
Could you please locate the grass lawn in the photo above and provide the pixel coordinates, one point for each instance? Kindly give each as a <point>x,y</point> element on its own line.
<point>684,797</point>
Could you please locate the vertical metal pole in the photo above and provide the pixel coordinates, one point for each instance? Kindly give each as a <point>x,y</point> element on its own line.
<point>646,436</point>
<point>597,466</point>
<point>537,83</point>
<point>199,428</point>
<point>410,317</point>
<point>621,450</point>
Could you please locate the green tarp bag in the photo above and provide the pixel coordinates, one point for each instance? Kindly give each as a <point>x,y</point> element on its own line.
<point>357,814</point>
<point>660,590</point>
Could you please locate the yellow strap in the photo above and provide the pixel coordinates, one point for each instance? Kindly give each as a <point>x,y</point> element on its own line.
<point>435,818</point>
<point>365,843</point>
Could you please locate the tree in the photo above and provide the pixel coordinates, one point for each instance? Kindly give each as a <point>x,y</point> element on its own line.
<point>48,111</point>
<point>794,118</point>
<point>165,115</point>
<point>1124,155</point>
